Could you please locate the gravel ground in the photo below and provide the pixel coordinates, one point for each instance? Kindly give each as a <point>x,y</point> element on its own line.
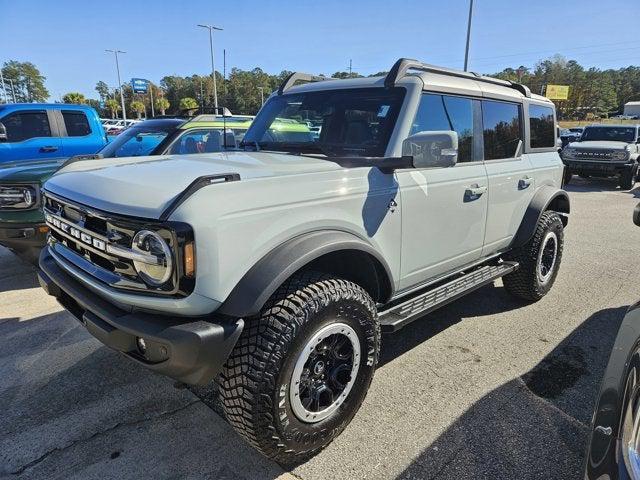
<point>487,387</point>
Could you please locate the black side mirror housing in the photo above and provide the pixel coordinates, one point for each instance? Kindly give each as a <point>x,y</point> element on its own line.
<point>3,133</point>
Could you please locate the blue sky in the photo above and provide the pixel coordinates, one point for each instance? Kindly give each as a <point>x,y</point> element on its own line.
<point>66,38</point>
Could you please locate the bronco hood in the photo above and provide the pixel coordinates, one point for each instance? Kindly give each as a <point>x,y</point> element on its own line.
<point>145,186</point>
<point>599,144</point>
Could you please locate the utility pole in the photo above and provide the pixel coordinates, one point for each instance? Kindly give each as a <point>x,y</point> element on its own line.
<point>261,95</point>
<point>350,67</point>
<point>211,28</point>
<point>116,52</point>
<point>466,51</point>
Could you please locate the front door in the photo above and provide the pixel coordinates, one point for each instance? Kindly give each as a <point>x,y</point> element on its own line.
<point>444,210</point>
<point>30,136</point>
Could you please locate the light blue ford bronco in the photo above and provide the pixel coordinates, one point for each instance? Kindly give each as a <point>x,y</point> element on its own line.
<point>272,270</point>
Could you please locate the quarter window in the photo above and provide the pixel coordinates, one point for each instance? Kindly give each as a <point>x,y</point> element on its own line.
<point>443,112</point>
<point>76,123</point>
<point>25,125</point>
<point>541,126</point>
<point>502,129</point>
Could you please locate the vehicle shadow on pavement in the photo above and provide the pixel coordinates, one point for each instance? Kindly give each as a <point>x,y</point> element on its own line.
<point>594,184</point>
<point>15,273</point>
<point>72,407</point>
<point>485,301</point>
<point>535,426</point>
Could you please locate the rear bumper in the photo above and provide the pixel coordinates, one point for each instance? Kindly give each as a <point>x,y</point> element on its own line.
<point>597,168</point>
<point>23,236</point>
<point>191,350</point>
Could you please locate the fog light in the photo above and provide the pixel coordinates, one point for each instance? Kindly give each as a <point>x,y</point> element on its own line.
<point>142,345</point>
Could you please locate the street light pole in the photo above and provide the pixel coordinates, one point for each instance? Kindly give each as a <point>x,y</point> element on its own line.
<point>261,95</point>
<point>466,51</point>
<point>116,52</point>
<point>211,28</point>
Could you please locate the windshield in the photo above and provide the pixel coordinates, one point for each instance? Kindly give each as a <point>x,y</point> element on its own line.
<point>616,134</point>
<point>137,141</point>
<point>349,122</point>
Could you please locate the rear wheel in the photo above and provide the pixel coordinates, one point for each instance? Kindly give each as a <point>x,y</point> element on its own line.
<point>539,260</point>
<point>302,368</point>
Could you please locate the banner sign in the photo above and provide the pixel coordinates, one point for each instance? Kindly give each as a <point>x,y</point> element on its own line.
<point>557,92</point>
<point>139,85</point>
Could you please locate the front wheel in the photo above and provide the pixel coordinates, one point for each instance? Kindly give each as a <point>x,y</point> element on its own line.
<point>627,179</point>
<point>539,260</point>
<point>567,175</point>
<point>302,368</point>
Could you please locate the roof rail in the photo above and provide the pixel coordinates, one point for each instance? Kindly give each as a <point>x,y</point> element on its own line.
<point>291,80</point>
<point>403,65</point>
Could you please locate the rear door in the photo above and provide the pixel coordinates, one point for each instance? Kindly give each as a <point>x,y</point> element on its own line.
<point>79,135</point>
<point>31,134</point>
<point>444,209</point>
<point>511,181</point>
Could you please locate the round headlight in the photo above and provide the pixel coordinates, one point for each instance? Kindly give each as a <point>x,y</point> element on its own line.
<point>157,267</point>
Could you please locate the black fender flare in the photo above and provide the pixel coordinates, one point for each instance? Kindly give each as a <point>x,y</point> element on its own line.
<point>263,279</point>
<point>546,198</point>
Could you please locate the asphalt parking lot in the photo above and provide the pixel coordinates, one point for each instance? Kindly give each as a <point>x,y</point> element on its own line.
<point>487,387</point>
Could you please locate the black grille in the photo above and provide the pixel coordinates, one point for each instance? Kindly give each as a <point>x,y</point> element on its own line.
<point>594,154</point>
<point>114,231</point>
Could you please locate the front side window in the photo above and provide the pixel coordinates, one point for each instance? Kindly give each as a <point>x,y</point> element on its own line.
<point>443,112</point>
<point>25,125</point>
<point>136,141</point>
<point>76,124</point>
<point>542,126</point>
<point>613,134</point>
<point>502,131</point>
<point>345,122</point>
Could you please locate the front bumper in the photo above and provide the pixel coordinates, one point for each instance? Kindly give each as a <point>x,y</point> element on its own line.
<point>191,350</point>
<point>23,236</point>
<point>597,168</point>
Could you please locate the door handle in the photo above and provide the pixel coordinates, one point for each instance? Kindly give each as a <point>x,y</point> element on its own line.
<point>524,182</point>
<point>473,192</point>
<point>48,149</point>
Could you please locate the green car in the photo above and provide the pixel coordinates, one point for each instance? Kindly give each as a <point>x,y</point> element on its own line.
<point>22,225</point>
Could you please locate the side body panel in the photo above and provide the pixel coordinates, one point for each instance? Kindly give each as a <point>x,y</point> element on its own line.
<point>236,224</point>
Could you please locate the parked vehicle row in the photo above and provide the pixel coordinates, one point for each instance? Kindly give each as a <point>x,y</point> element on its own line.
<point>22,223</point>
<point>271,269</point>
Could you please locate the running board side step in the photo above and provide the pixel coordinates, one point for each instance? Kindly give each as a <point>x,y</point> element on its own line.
<point>397,316</point>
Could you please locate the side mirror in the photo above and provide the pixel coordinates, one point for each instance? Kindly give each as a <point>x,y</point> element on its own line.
<point>636,215</point>
<point>432,149</point>
<point>3,133</point>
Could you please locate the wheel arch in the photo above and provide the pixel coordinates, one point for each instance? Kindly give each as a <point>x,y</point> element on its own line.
<point>333,252</point>
<point>546,198</point>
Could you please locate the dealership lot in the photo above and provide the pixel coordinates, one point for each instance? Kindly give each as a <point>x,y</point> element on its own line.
<point>486,387</point>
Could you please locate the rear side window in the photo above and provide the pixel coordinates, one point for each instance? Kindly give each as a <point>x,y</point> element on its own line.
<point>76,123</point>
<point>25,125</point>
<point>443,112</point>
<point>542,125</point>
<point>502,129</point>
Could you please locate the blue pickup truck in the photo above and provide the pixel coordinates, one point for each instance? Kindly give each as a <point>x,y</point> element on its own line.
<point>31,131</point>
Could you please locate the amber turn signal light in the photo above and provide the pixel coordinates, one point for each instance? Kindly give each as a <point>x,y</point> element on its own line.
<point>189,260</point>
